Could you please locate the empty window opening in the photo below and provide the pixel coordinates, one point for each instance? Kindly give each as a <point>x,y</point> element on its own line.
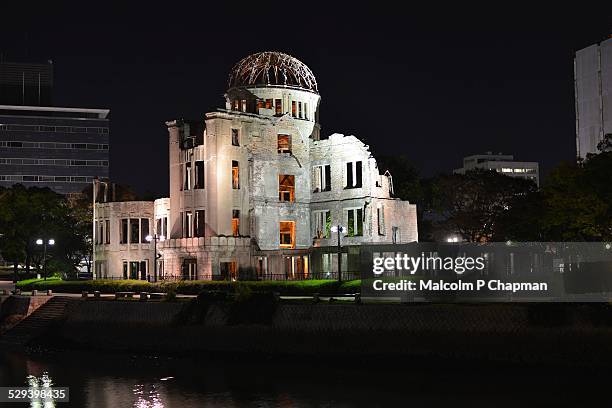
<point>236,223</point>
<point>199,174</point>
<point>286,188</point>
<point>287,234</point>
<point>228,270</point>
<point>235,137</point>
<point>293,109</point>
<point>235,175</point>
<point>200,222</point>
<point>190,269</point>
<point>144,230</point>
<point>187,177</point>
<point>355,222</point>
<point>284,143</point>
<point>322,178</point>
<point>268,103</point>
<point>188,233</point>
<point>322,224</point>
<point>353,175</point>
<point>380,212</point>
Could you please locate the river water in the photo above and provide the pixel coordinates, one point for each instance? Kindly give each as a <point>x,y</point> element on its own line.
<point>119,380</point>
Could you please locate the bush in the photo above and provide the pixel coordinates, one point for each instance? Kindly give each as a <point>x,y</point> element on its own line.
<point>295,288</point>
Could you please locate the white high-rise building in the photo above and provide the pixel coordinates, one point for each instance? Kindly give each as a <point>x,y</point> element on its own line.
<point>593,89</point>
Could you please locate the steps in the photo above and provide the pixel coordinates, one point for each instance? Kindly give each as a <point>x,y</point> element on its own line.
<point>36,324</point>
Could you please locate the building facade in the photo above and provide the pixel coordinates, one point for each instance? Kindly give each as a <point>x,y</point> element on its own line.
<point>255,190</point>
<point>501,163</point>
<point>593,91</point>
<point>60,148</point>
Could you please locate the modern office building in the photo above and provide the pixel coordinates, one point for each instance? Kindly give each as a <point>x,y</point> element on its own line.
<point>593,90</point>
<point>46,146</point>
<point>502,163</point>
<point>255,191</point>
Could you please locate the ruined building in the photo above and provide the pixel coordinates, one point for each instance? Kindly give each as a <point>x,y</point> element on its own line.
<point>255,191</point>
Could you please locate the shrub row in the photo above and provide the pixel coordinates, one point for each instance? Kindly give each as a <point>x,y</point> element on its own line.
<point>296,288</point>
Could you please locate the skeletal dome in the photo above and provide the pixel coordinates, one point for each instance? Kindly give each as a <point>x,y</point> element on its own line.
<point>272,68</point>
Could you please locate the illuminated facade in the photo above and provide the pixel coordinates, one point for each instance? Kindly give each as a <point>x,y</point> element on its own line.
<point>255,190</point>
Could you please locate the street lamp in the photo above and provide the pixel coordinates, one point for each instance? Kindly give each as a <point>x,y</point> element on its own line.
<point>44,243</point>
<point>340,230</point>
<point>155,238</point>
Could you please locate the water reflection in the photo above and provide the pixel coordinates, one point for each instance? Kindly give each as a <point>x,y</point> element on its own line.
<point>147,396</point>
<point>38,384</point>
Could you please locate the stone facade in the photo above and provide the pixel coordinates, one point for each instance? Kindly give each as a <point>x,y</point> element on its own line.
<point>255,190</point>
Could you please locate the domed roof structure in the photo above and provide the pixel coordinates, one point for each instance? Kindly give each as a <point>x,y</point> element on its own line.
<point>272,68</point>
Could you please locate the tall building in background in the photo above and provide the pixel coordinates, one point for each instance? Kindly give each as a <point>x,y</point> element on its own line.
<point>46,146</point>
<point>501,163</point>
<point>593,88</point>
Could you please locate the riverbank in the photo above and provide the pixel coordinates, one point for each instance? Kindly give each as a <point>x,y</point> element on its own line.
<point>553,334</point>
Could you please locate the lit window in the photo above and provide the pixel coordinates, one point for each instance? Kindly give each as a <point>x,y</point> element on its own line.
<point>355,222</point>
<point>235,175</point>
<point>293,109</point>
<point>519,170</point>
<point>236,223</point>
<point>286,188</point>
<point>244,105</point>
<point>235,137</point>
<point>506,170</point>
<point>284,143</point>
<point>322,178</point>
<point>287,234</point>
<point>353,175</point>
<point>268,103</point>
<point>278,104</point>
<point>322,224</point>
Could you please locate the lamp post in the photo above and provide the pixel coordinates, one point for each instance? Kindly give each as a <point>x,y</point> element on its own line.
<point>340,230</point>
<point>155,238</point>
<point>44,243</point>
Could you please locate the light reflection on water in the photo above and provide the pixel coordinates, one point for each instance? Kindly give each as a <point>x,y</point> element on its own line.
<point>139,381</point>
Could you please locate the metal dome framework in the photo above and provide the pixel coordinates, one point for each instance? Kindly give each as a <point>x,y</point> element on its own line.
<point>272,68</point>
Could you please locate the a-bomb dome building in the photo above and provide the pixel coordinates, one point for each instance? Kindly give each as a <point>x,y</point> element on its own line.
<point>255,191</point>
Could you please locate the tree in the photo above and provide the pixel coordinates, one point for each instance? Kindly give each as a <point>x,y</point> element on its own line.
<point>472,204</point>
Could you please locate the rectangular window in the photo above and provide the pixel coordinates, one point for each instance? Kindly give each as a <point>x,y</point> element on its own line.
<point>187,177</point>
<point>353,175</point>
<point>244,105</point>
<point>107,231</point>
<point>286,188</point>
<point>188,224</point>
<point>268,103</point>
<point>235,175</point>
<point>322,178</point>
<point>287,234</point>
<point>322,224</point>
<point>165,227</point>
<point>190,269</point>
<point>260,104</point>
<point>305,110</point>
<point>380,212</point>
<point>278,104</point>
<point>144,230</point>
<point>125,270</point>
<point>284,143</point>
<point>199,174</point>
<point>236,223</point>
<point>235,137</point>
<point>300,110</point>
<point>123,239</point>
<point>200,223</point>
<point>158,226</point>
<point>134,231</point>
<point>355,222</point>
<point>293,109</point>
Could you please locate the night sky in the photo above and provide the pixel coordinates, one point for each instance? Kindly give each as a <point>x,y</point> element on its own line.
<point>430,87</point>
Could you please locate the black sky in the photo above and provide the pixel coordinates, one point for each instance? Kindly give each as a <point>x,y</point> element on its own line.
<point>435,88</point>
